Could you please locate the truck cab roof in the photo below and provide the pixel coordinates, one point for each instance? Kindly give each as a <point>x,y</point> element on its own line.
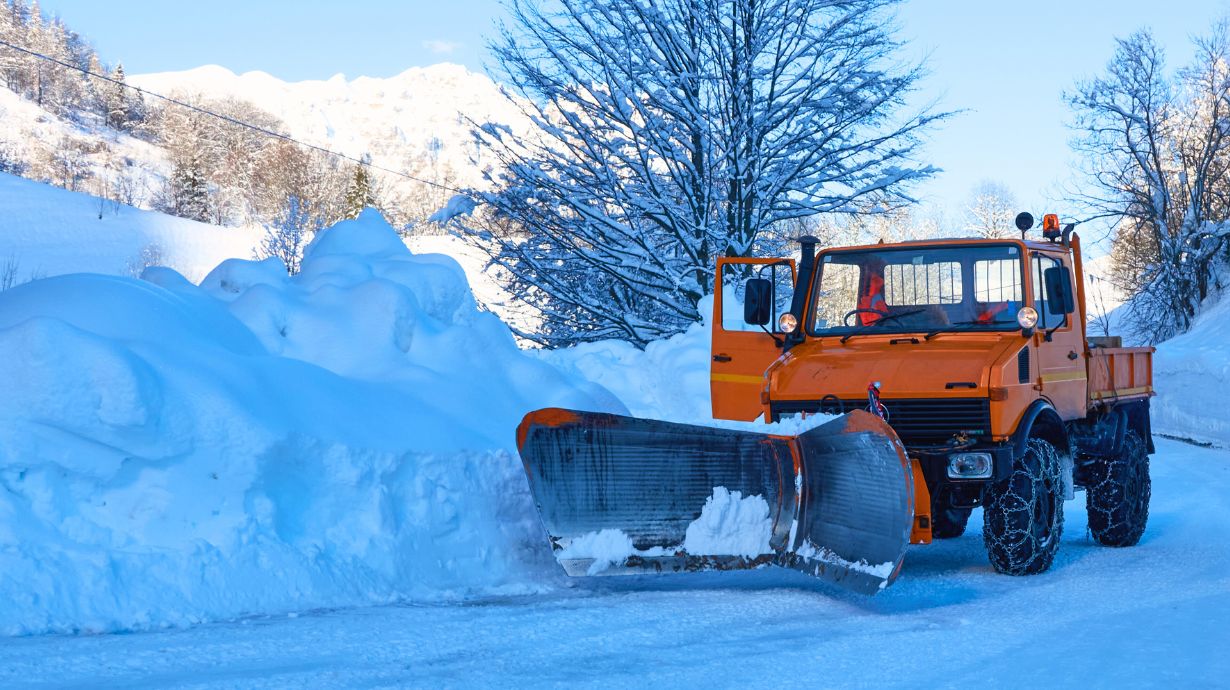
<point>1030,244</point>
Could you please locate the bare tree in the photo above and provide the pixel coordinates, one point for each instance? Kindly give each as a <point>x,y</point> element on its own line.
<point>673,132</point>
<point>10,159</point>
<point>69,163</point>
<point>289,234</point>
<point>150,255</point>
<point>1157,149</point>
<point>991,211</point>
<point>8,273</point>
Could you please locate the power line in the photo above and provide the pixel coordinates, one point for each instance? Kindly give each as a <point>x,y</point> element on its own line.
<point>228,118</point>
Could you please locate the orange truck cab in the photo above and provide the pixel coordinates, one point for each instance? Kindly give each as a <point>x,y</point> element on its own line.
<point>977,353</point>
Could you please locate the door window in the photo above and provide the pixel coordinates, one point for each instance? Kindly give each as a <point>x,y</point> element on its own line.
<point>734,286</point>
<point>1046,320</point>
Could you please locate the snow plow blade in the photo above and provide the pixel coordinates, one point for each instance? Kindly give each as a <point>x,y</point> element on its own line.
<point>620,495</point>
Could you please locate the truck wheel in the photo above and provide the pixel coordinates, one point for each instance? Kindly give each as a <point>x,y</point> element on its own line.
<point>1023,513</point>
<point>947,523</point>
<point>1117,494</point>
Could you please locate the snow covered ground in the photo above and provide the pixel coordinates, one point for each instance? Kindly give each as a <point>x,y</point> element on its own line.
<point>1151,615</point>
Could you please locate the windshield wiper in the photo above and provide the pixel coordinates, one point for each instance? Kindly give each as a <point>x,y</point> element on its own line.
<point>882,319</point>
<point>959,326</point>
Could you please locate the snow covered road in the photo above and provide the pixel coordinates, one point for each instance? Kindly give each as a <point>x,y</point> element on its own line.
<point>1151,615</point>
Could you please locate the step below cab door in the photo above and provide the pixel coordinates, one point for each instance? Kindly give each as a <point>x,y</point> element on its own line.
<point>742,351</point>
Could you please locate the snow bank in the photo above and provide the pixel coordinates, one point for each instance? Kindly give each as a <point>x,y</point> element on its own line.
<point>172,453</point>
<point>1190,374</point>
<point>485,282</point>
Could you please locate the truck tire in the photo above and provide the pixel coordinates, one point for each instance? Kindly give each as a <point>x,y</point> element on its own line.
<point>1023,513</point>
<point>1117,494</point>
<point>948,522</point>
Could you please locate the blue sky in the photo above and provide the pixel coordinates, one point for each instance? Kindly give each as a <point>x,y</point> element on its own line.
<point>1006,62</point>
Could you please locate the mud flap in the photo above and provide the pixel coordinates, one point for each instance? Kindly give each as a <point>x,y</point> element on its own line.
<point>624,495</point>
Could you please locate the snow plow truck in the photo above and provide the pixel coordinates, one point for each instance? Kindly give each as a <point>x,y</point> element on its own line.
<point>948,374</point>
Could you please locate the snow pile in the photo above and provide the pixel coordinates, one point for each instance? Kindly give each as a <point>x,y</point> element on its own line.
<point>1191,373</point>
<point>485,282</point>
<point>730,525</point>
<point>607,548</point>
<point>172,453</point>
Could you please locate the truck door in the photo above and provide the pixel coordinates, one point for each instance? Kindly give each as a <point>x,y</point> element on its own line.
<point>1061,361</point>
<point>741,351</point>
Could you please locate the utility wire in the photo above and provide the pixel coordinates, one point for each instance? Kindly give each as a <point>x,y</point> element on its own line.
<point>228,118</point>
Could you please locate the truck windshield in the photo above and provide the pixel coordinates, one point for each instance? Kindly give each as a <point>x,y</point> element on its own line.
<point>923,289</point>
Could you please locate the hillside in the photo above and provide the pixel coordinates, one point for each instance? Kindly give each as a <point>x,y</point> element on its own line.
<point>79,155</point>
<point>46,231</point>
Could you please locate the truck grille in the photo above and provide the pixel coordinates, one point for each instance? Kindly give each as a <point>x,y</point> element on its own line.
<point>917,422</point>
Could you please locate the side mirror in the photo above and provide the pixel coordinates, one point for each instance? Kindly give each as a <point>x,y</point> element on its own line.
<point>758,301</point>
<point>1060,299</point>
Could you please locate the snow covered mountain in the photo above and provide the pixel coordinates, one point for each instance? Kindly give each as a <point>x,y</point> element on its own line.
<point>417,121</point>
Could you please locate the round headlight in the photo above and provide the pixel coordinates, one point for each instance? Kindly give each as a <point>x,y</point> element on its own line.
<point>1027,317</point>
<point>787,323</point>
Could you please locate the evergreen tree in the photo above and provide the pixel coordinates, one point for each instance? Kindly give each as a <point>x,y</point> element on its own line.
<point>12,25</point>
<point>359,195</point>
<point>188,191</point>
<point>116,100</point>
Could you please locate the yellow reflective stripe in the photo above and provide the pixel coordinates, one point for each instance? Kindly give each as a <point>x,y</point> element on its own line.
<point>736,378</point>
<point>1064,376</point>
<point>1122,392</point>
